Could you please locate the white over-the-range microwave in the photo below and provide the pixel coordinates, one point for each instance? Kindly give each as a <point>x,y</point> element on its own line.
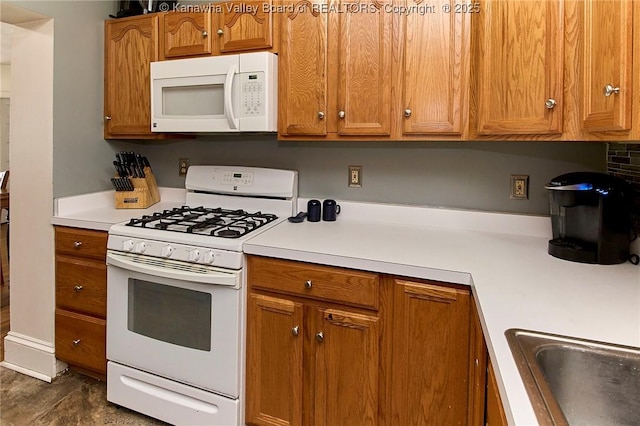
<point>230,93</point>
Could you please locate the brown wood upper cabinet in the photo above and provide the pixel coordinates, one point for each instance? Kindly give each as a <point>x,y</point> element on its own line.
<point>131,44</point>
<point>519,71</point>
<point>608,65</point>
<point>432,66</point>
<point>186,34</point>
<point>245,25</point>
<point>218,28</point>
<point>377,73</point>
<point>344,87</point>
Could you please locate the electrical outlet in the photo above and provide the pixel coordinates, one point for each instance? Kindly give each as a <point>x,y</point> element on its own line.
<point>519,187</point>
<point>355,176</point>
<point>183,166</point>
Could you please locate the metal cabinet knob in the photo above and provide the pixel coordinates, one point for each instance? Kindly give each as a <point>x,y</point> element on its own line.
<point>610,90</point>
<point>295,330</point>
<point>320,336</point>
<point>78,288</point>
<point>76,342</point>
<point>341,114</point>
<point>107,117</point>
<point>220,32</point>
<point>308,284</point>
<point>550,103</point>
<point>407,113</point>
<point>77,244</point>
<point>321,115</point>
<point>205,34</point>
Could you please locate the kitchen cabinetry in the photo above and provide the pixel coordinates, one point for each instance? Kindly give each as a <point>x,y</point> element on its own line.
<point>313,344</point>
<point>344,87</point>
<point>432,67</point>
<point>607,42</point>
<point>186,34</point>
<point>218,28</point>
<point>246,25</point>
<point>495,415</point>
<point>519,68</point>
<point>81,297</point>
<point>328,345</point>
<point>131,44</point>
<point>434,355</point>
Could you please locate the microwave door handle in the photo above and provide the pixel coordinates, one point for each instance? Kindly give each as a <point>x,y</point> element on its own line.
<point>228,98</point>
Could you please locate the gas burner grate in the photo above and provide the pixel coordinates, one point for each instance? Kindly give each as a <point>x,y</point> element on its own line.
<point>217,222</point>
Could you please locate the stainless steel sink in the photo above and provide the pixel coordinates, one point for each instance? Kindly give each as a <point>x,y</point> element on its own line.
<point>578,382</point>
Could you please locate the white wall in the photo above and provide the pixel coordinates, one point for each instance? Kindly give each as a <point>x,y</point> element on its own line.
<point>5,80</point>
<point>30,343</point>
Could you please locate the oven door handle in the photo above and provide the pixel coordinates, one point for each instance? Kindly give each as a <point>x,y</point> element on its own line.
<point>169,269</point>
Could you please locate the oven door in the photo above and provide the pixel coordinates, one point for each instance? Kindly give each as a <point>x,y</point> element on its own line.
<point>177,320</point>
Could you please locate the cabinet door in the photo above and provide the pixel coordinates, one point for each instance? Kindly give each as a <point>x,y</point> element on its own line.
<point>364,65</point>
<point>186,34</point>
<point>520,67</point>
<point>245,25</point>
<point>81,340</point>
<point>434,68</point>
<point>495,415</point>
<point>131,45</point>
<point>346,367</point>
<point>608,62</point>
<point>302,62</point>
<point>81,285</point>
<point>275,335</point>
<point>430,370</point>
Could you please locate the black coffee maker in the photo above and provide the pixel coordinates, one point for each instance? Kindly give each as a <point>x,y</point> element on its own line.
<point>590,218</point>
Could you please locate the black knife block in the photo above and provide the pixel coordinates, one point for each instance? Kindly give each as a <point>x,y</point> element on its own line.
<point>145,193</point>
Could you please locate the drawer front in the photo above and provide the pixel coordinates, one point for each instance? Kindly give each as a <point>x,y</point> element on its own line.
<point>315,281</point>
<point>81,242</point>
<point>81,285</point>
<point>81,340</point>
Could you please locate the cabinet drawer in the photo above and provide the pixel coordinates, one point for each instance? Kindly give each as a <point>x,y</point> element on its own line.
<point>81,285</point>
<point>315,281</point>
<point>81,340</point>
<point>81,242</point>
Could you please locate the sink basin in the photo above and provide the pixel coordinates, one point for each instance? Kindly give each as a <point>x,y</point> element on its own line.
<point>578,382</point>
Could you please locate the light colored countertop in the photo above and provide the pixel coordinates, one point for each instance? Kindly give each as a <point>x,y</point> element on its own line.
<point>97,210</point>
<point>503,258</point>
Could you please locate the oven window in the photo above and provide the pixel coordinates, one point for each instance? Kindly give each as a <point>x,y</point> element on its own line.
<point>170,314</point>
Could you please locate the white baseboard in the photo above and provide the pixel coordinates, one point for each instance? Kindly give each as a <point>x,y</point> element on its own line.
<point>30,356</point>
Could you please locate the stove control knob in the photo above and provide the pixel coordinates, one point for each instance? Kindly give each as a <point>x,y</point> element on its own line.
<point>211,256</point>
<point>194,255</point>
<point>141,247</point>
<point>167,251</point>
<point>127,245</point>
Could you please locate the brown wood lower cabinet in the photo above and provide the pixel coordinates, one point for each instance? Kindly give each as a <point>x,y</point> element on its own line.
<point>495,415</point>
<point>81,299</point>
<point>80,340</point>
<point>310,362</point>
<point>405,359</point>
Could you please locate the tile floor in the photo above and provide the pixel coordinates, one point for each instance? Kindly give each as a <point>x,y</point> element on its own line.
<point>71,399</point>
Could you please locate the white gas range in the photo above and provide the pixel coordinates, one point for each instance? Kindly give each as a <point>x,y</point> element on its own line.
<point>176,295</point>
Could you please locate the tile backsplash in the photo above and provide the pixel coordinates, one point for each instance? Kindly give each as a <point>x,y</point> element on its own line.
<point>623,160</point>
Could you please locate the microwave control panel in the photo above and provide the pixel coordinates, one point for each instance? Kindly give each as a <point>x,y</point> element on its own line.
<point>252,94</point>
